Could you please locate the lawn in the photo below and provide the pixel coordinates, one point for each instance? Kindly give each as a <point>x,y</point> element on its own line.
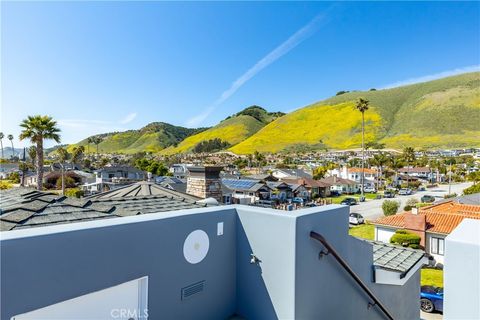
<point>365,231</point>
<point>431,277</point>
<point>368,196</point>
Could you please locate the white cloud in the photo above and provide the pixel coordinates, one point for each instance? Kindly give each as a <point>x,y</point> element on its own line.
<point>293,41</point>
<point>431,77</point>
<point>74,130</point>
<point>129,118</point>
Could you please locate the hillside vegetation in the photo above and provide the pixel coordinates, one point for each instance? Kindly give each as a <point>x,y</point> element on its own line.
<point>232,130</point>
<point>154,137</point>
<point>434,114</point>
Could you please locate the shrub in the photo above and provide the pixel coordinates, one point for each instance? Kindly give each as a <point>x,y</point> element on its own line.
<point>422,204</point>
<point>406,238</point>
<point>411,203</point>
<point>390,207</point>
<point>473,189</point>
<point>451,195</point>
<point>14,177</point>
<point>5,185</point>
<point>69,182</point>
<point>74,192</point>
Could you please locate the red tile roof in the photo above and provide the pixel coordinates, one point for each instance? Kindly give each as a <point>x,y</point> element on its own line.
<point>441,218</point>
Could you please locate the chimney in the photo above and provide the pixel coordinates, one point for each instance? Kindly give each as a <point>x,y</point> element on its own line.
<point>334,178</point>
<point>414,210</point>
<point>204,182</point>
<point>416,223</point>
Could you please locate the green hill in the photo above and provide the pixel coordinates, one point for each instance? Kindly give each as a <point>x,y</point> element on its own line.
<point>232,130</point>
<point>154,137</point>
<point>434,114</point>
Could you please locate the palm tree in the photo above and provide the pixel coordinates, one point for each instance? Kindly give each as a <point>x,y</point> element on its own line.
<point>362,106</point>
<point>395,163</point>
<point>32,154</point>
<point>89,140</point>
<point>409,157</point>
<point>37,128</point>
<point>10,137</point>
<point>77,154</point>
<point>63,156</point>
<point>379,160</point>
<point>1,142</point>
<point>96,141</point>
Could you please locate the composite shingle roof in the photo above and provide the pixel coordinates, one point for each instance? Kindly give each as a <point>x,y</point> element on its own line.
<point>25,208</point>
<point>394,258</point>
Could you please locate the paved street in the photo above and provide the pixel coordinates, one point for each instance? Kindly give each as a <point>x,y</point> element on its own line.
<point>372,209</point>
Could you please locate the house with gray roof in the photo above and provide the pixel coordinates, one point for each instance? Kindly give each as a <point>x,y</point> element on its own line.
<point>26,208</point>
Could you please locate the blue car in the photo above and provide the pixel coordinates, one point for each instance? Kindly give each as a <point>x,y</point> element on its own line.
<point>431,299</point>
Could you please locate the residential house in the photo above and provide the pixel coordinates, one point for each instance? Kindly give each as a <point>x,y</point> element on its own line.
<point>281,190</point>
<point>245,191</point>
<point>432,223</point>
<point>290,173</point>
<point>179,170</point>
<point>461,272</point>
<point>219,262</point>
<point>112,177</point>
<point>355,174</point>
<point>313,187</point>
<point>340,185</point>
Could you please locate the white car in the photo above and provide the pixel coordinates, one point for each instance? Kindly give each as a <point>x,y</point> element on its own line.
<point>405,192</point>
<point>369,189</point>
<point>356,218</point>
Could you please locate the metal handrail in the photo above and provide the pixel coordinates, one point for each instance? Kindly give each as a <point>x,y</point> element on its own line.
<point>352,273</point>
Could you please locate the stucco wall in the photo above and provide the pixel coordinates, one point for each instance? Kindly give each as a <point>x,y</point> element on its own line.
<point>47,265</point>
<point>42,270</point>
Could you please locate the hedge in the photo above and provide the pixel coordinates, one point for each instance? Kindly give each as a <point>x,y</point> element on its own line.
<point>406,238</point>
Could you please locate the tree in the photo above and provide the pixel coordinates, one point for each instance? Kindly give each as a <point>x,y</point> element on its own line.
<point>10,137</point>
<point>1,142</point>
<point>319,172</point>
<point>32,154</point>
<point>379,160</point>
<point>390,207</point>
<point>96,141</point>
<point>409,157</point>
<point>37,128</point>
<point>63,156</point>
<point>362,106</point>
<point>77,154</point>
<point>395,163</point>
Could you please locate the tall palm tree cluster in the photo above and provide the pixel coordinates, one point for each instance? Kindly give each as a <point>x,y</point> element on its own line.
<point>9,137</point>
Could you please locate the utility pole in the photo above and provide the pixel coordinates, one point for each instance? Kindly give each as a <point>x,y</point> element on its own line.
<point>450,179</point>
<point>363,155</point>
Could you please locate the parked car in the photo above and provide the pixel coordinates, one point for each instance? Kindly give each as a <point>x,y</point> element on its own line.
<point>431,299</point>
<point>310,205</point>
<point>334,193</point>
<point>369,189</point>
<point>405,192</point>
<point>389,194</point>
<point>356,218</point>
<point>297,200</point>
<point>427,198</point>
<point>349,201</point>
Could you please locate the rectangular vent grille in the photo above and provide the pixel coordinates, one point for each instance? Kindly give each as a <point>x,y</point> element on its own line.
<point>193,289</point>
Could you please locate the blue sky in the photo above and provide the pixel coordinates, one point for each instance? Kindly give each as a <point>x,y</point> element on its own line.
<point>111,66</point>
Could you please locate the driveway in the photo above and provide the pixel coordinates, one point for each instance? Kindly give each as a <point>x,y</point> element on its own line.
<point>372,209</point>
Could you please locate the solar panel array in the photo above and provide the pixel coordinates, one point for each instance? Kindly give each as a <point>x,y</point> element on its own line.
<point>236,184</point>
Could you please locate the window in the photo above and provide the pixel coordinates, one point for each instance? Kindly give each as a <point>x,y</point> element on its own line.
<point>437,246</point>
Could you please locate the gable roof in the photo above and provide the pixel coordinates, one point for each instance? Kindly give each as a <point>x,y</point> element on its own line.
<point>335,181</point>
<point>24,208</point>
<point>308,182</point>
<point>295,173</point>
<point>440,218</point>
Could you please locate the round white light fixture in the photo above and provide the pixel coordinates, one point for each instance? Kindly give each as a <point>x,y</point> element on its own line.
<point>195,247</point>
